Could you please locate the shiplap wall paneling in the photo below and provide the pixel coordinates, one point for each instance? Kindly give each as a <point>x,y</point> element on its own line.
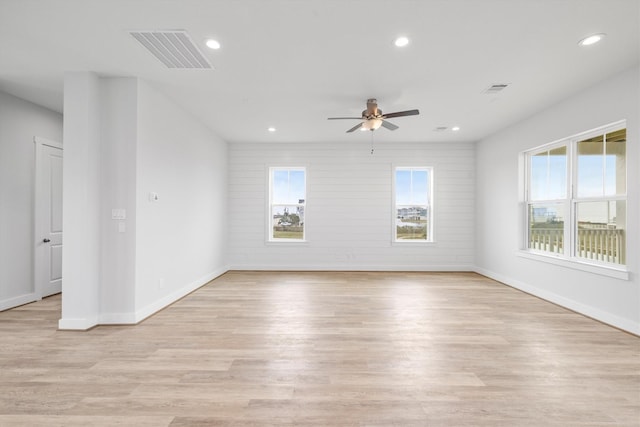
<point>349,213</point>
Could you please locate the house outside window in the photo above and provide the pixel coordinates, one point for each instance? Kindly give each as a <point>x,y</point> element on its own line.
<point>575,197</point>
<point>413,204</point>
<point>287,201</point>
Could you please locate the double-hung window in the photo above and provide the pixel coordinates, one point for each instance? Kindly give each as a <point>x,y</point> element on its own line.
<point>287,199</point>
<point>600,203</point>
<point>548,201</point>
<point>575,197</point>
<point>413,204</point>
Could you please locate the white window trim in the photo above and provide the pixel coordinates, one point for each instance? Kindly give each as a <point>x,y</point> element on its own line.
<point>569,258</point>
<point>567,234</point>
<point>576,264</point>
<point>283,242</point>
<point>431,230</point>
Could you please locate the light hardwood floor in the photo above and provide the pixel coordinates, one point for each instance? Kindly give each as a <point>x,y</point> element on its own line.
<point>324,349</point>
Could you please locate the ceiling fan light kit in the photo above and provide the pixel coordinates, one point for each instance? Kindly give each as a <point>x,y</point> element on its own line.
<point>373,118</point>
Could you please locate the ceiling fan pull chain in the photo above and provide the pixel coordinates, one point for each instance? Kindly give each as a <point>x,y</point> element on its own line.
<point>371,143</point>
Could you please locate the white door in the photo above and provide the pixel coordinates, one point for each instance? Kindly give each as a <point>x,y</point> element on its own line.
<point>48,218</point>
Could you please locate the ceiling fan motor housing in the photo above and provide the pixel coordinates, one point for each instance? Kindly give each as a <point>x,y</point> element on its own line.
<point>372,109</point>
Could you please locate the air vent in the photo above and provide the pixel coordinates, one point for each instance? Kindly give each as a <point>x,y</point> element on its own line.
<point>173,48</point>
<point>440,129</point>
<point>495,88</point>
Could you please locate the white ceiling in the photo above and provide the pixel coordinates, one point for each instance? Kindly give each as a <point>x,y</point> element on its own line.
<point>291,64</point>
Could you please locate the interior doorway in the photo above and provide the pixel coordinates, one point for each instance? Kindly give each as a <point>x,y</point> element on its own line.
<point>48,218</point>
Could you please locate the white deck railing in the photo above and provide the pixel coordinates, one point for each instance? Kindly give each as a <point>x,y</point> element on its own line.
<point>601,244</point>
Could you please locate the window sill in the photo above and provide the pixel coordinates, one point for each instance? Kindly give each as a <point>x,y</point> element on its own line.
<point>286,242</point>
<point>604,270</point>
<point>410,242</point>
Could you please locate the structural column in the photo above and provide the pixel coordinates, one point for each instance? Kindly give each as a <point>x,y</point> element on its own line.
<point>81,201</point>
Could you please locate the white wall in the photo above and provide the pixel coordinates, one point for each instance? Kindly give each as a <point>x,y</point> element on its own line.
<point>611,300</point>
<point>81,201</point>
<point>119,127</point>
<point>348,214</point>
<point>126,140</point>
<point>181,238</point>
<point>20,121</point>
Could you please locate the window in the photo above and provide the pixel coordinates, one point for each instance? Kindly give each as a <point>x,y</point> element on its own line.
<point>600,205</point>
<point>287,189</point>
<point>548,199</point>
<point>413,204</point>
<point>576,192</point>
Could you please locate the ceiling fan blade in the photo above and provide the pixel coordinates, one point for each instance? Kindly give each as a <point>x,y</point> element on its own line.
<point>401,114</point>
<point>389,125</point>
<point>356,127</point>
<point>344,118</point>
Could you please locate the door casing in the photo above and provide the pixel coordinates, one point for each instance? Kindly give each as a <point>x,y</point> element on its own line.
<point>47,256</point>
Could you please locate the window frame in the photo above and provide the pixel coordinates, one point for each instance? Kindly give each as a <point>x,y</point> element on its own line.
<point>570,257</point>
<point>565,202</point>
<point>270,204</point>
<point>430,207</point>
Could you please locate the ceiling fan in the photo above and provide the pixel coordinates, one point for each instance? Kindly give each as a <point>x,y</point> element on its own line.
<point>372,118</point>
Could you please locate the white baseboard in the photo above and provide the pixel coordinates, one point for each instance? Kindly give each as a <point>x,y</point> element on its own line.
<point>594,313</point>
<point>309,267</point>
<point>77,324</point>
<point>131,318</point>
<point>8,303</point>
<point>117,319</point>
<point>156,306</point>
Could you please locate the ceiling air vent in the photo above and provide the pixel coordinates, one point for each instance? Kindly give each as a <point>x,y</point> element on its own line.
<point>493,89</point>
<point>440,129</point>
<point>173,48</point>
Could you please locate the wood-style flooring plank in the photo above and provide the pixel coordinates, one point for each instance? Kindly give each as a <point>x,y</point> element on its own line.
<point>324,349</point>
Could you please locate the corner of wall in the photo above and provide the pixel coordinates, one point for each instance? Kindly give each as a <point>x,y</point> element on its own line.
<point>154,307</point>
<point>568,303</point>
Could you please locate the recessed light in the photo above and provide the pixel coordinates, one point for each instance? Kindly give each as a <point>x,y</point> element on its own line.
<point>271,129</point>
<point>593,39</point>
<point>213,44</point>
<point>401,41</point>
<point>455,128</point>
